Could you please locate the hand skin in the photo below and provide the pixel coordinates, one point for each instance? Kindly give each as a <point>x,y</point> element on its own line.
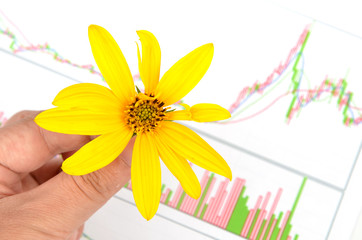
<point>38,200</point>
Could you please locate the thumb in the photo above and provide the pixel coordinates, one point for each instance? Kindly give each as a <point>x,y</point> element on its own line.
<point>65,202</point>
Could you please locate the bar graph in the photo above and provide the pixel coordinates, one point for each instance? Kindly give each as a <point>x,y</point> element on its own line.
<point>230,211</point>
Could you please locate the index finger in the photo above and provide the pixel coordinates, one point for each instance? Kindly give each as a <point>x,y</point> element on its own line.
<point>24,146</point>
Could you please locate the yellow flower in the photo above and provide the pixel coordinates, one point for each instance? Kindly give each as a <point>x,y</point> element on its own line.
<point>118,114</point>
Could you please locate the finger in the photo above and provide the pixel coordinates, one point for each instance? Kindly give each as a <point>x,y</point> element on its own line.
<point>77,234</point>
<point>66,202</point>
<point>20,116</point>
<point>48,170</point>
<point>24,146</point>
<point>52,168</point>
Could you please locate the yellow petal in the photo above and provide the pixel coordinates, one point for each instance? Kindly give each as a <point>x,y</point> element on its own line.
<point>98,153</point>
<point>146,176</point>
<point>191,146</point>
<point>149,66</point>
<point>179,167</point>
<point>186,106</point>
<point>87,95</point>
<point>79,121</point>
<point>208,112</point>
<point>179,115</point>
<point>111,63</point>
<point>184,75</point>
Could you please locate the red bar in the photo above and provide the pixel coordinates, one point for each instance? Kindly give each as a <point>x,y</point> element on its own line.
<point>208,210</point>
<point>258,224</point>
<point>187,203</point>
<point>184,203</point>
<point>228,202</point>
<point>260,217</point>
<point>283,225</point>
<point>247,220</point>
<point>191,206</point>
<point>164,195</point>
<point>203,185</point>
<point>206,197</point>
<point>247,226</point>
<point>272,210</point>
<point>218,209</point>
<point>162,200</point>
<point>271,229</point>
<point>234,197</point>
<point>213,203</point>
<point>220,197</point>
<point>176,197</point>
<point>129,185</point>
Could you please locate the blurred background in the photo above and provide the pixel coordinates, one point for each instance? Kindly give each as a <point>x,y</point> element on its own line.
<point>288,71</point>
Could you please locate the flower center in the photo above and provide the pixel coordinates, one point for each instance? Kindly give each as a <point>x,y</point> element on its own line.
<point>145,113</point>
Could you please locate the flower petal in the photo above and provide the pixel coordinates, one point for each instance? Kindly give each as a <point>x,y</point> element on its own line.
<point>179,167</point>
<point>191,146</point>
<point>98,153</point>
<point>179,115</point>
<point>87,95</point>
<point>146,176</point>
<point>184,75</point>
<point>111,63</point>
<point>149,66</point>
<point>79,121</point>
<point>185,106</point>
<point>208,112</point>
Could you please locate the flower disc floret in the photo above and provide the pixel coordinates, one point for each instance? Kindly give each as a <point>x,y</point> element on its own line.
<point>145,113</point>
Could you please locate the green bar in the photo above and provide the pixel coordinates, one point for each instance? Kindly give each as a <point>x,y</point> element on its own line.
<point>295,74</point>
<point>203,211</point>
<point>261,229</point>
<point>12,45</point>
<point>203,194</point>
<point>296,202</point>
<point>296,237</point>
<point>295,70</point>
<point>345,119</point>
<point>163,187</point>
<point>276,228</point>
<point>301,52</point>
<point>347,104</point>
<point>269,226</point>
<point>291,105</point>
<point>344,85</point>
<point>286,232</point>
<point>244,216</point>
<point>253,223</point>
<point>126,185</point>
<point>238,215</point>
<point>168,197</point>
<point>181,199</point>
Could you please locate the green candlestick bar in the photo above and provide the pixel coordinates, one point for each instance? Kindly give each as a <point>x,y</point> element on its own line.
<point>239,214</point>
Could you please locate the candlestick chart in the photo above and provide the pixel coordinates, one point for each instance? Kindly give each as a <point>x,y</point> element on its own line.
<point>328,89</point>
<point>290,172</point>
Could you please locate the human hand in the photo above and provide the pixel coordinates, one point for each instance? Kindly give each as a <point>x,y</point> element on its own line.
<point>37,199</point>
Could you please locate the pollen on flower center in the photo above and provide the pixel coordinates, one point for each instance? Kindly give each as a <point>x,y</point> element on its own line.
<point>145,113</point>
